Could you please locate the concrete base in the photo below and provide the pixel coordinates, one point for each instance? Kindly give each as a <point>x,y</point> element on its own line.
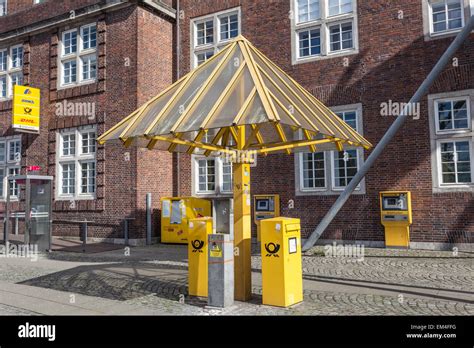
<point>119,241</point>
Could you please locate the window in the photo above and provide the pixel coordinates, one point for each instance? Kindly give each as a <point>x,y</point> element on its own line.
<point>213,176</point>
<point>341,36</point>
<point>314,170</point>
<point>11,70</point>
<point>207,175</point>
<point>308,10</point>
<point>310,42</point>
<point>452,114</point>
<point>452,139</point>
<point>330,172</point>
<point>446,15</point>
<point>77,163</point>
<point>3,7</point>
<point>456,164</point>
<point>79,56</point>
<point>443,18</point>
<point>10,160</point>
<point>38,1</point>
<point>323,28</point>
<point>213,32</point>
<point>337,7</point>
<point>345,167</point>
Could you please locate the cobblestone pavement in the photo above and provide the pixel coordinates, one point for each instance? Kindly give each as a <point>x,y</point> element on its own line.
<point>385,282</point>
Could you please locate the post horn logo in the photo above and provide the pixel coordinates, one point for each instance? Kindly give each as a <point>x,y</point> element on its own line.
<point>272,249</point>
<point>197,245</point>
<point>28,111</point>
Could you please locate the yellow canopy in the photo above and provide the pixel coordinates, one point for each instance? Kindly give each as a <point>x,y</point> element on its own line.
<point>239,86</point>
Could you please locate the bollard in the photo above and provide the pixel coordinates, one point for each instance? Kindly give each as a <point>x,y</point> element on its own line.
<point>148,219</point>
<point>84,236</point>
<point>221,271</point>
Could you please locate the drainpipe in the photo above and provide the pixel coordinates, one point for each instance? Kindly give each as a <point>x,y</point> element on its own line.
<point>392,131</point>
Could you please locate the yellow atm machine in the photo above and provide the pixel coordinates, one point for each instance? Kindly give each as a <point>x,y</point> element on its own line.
<point>396,215</point>
<point>265,207</point>
<point>282,272</point>
<point>175,215</point>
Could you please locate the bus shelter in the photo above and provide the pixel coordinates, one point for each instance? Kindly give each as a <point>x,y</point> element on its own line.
<point>241,105</point>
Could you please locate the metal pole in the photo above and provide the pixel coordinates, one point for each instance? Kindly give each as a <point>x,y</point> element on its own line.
<point>6,226</point>
<point>148,219</point>
<point>392,131</point>
<point>126,232</point>
<point>84,236</point>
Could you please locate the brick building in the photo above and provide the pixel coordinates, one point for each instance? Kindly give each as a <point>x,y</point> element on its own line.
<point>361,58</point>
<point>95,62</point>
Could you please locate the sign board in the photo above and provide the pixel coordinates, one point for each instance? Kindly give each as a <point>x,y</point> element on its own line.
<point>26,109</point>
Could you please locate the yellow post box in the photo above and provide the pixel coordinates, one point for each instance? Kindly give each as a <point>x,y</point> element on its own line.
<point>175,215</point>
<point>199,230</point>
<point>265,207</point>
<point>396,215</point>
<point>282,274</point>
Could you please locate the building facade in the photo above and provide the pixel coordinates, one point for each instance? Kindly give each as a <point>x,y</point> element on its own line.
<point>95,62</point>
<point>361,58</point>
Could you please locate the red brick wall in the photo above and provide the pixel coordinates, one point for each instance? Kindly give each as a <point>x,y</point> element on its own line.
<point>134,54</point>
<point>393,61</point>
<point>155,73</point>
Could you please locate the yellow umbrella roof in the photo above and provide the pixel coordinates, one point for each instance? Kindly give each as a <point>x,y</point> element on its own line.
<point>239,86</point>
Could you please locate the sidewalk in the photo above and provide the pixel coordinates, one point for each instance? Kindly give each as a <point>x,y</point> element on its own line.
<point>153,281</point>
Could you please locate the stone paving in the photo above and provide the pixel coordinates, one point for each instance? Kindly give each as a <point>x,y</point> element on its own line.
<point>385,282</point>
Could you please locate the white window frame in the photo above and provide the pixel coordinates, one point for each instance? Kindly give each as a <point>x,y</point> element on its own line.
<point>219,178</point>
<point>359,154</point>
<point>218,42</point>
<point>11,71</point>
<point>330,187</point>
<point>78,158</point>
<point>437,137</point>
<point>77,57</point>
<point>323,24</point>
<point>7,164</point>
<point>440,165</point>
<point>428,29</point>
<point>459,130</point>
<point>301,175</point>
<point>4,8</point>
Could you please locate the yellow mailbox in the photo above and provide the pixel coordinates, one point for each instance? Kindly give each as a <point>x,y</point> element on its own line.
<point>199,230</point>
<point>396,215</point>
<point>175,215</point>
<point>265,207</point>
<point>282,274</point>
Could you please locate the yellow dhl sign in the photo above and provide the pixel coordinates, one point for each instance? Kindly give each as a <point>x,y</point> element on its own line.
<point>26,109</point>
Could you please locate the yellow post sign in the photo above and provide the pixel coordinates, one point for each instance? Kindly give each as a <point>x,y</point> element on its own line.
<point>26,109</point>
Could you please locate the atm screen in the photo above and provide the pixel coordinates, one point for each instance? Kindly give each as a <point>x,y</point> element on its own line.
<point>263,205</point>
<point>395,203</point>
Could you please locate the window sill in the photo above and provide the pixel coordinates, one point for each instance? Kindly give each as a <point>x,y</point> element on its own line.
<point>442,35</point>
<point>458,188</point>
<point>68,86</point>
<point>324,57</point>
<point>334,192</point>
<point>76,198</point>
